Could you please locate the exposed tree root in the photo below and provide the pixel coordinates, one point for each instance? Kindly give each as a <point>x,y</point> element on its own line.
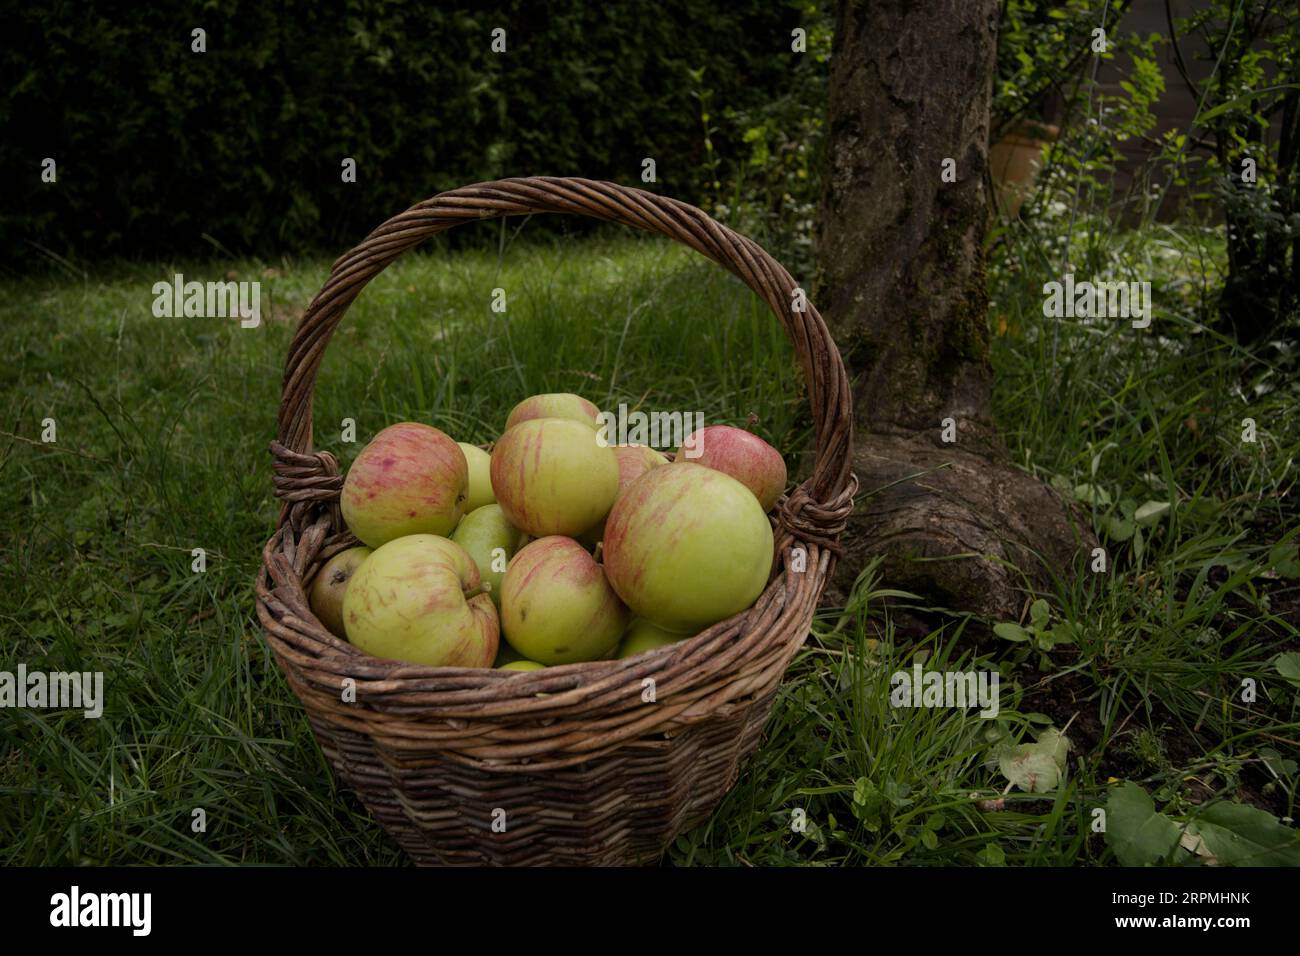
<point>964,529</point>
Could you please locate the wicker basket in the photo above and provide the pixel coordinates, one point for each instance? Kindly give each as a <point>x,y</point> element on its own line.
<point>573,764</point>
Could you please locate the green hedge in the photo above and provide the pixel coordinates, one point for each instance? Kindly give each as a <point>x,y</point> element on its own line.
<point>159,147</point>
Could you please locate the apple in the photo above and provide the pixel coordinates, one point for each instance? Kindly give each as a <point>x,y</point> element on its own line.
<point>551,476</point>
<point>410,479</point>
<point>687,546</point>
<point>742,455</point>
<point>417,599</point>
<point>633,462</point>
<point>557,607</point>
<point>329,586</point>
<point>645,636</point>
<point>480,480</point>
<point>522,666</point>
<point>491,540</point>
<point>505,653</point>
<point>555,405</point>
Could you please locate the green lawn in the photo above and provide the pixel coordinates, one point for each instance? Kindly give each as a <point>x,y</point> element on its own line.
<point>162,434</point>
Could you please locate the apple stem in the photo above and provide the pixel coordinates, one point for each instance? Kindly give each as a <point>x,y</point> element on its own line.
<point>750,422</point>
<point>484,588</point>
<point>596,551</point>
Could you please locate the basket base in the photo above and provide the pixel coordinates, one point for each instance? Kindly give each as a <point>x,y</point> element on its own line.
<point>623,809</point>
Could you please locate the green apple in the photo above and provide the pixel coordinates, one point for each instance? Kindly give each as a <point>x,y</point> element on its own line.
<point>522,666</point>
<point>480,480</point>
<point>551,476</point>
<point>410,479</point>
<point>742,455</point>
<point>687,546</point>
<point>491,540</point>
<point>645,636</point>
<point>417,599</point>
<point>557,607</point>
<point>554,405</point>
<point>505,655</point>
<point>329,586</point>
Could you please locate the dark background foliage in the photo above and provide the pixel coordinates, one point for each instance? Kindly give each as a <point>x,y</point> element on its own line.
<point>161,150</point>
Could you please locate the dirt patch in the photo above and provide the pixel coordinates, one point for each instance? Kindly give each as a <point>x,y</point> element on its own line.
<point>1073,698</point>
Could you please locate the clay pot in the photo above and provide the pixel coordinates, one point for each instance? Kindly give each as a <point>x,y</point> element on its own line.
<point>1014,161</point>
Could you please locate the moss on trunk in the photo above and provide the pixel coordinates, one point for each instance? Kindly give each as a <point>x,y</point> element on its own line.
<point>900,250</point>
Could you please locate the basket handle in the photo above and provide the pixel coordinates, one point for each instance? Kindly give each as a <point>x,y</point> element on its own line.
<point>305,478</point>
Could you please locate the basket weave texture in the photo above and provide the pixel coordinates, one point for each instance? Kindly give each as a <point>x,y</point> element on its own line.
<point>599,763</point>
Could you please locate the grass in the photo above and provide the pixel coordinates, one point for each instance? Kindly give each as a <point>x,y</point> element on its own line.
<point>162,433</point>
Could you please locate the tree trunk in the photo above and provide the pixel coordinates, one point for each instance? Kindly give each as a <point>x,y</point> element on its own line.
<point>902,282</point>
<point>1262,289</point>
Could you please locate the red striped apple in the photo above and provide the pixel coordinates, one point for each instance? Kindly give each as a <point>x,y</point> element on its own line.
<point>557,607</point>
<point>551,476</point>
<point>742,455</point>
<point>554,405</point>
<point>417,599</point>
<point>480,480</point>
<point>331,584</point>
<point>633,462</point>
<point>687,546</point>
<point>410,479</point>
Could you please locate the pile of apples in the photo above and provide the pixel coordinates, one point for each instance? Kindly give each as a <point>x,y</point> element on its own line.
<point>553,549</point>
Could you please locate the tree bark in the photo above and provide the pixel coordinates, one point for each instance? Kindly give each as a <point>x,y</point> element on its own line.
<point>1262,288</point>
<point>902,282</point>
